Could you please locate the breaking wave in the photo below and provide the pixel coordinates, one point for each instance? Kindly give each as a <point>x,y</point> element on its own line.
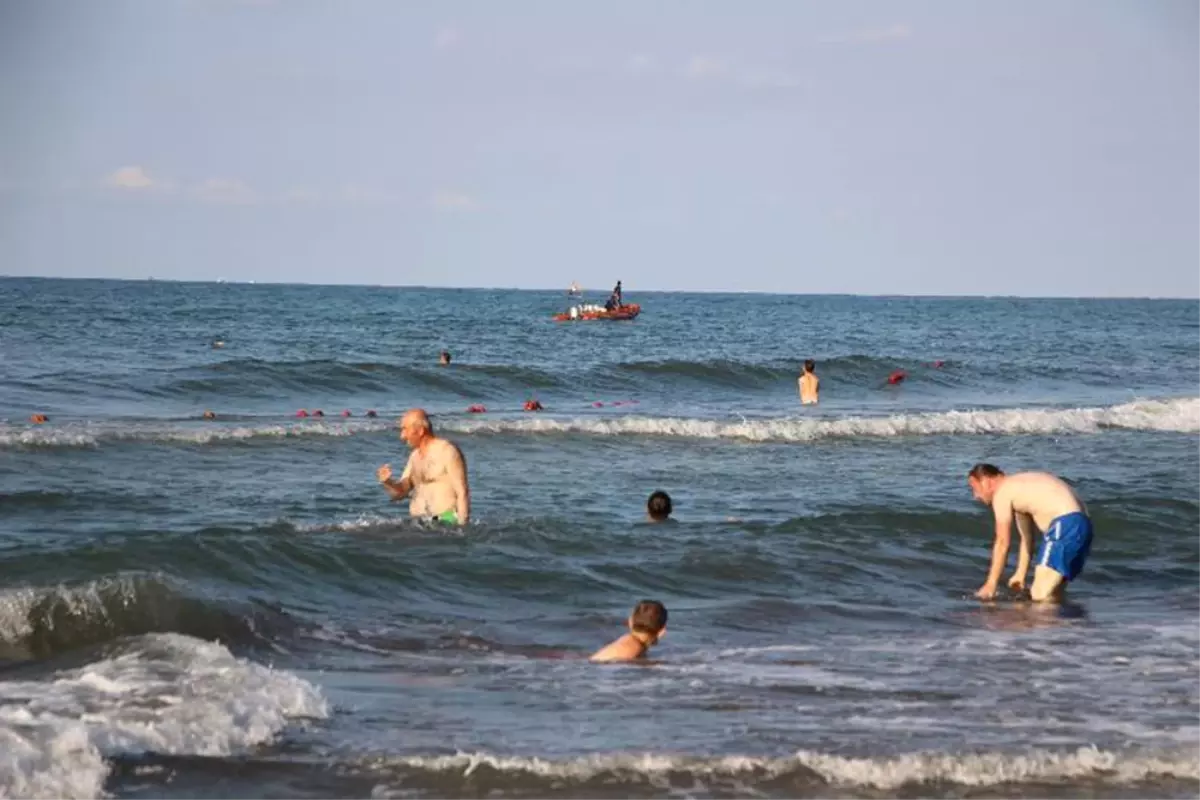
<point>807,773</point>
<point>41,621</point>
<point>1179,415</point>
<point>160,693</point>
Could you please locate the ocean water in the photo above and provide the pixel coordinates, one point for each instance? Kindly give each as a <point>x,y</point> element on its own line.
<point>231,607</point>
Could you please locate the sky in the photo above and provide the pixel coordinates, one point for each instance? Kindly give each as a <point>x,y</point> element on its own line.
<point>1024,147</point>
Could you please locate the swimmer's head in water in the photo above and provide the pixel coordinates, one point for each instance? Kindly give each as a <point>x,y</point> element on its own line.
<point>810,365</point>
<point>444,358</point>
<point>983,479</point>
<point>415,427</point>
<point>659,506</point>
<point>649,617</point>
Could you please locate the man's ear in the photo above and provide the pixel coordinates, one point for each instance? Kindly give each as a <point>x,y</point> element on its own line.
<point>661,634</point>
<point>629,622</point>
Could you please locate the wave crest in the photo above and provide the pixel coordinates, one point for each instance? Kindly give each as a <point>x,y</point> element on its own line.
<point>807,772</point>
<point>37,622</point>
<point>1178,415</point>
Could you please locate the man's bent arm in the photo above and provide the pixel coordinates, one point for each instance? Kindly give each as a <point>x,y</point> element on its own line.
<point>1001,545</point>
<point>1025,554</point>
<point>457,469</point>
<point>398,490</point>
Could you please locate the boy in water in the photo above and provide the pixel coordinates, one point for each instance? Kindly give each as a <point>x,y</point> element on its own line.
<point>647,624</point>
<point>809,383</point>
<point>658,507</point>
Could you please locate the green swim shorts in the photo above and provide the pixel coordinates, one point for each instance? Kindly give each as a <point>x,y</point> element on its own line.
<point>449,516</point>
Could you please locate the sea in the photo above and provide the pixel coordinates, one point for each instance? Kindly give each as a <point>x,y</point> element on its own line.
<point>232,607</point>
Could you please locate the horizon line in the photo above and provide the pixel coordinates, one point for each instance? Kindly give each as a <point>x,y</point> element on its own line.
<point>223,282</point>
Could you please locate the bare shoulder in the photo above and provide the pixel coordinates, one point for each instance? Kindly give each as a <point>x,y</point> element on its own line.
<point>447,452</point>
<point>451,449</point>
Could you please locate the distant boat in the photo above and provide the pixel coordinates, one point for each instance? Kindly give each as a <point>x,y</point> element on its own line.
<point>588,313</point>
<point>574,289</point>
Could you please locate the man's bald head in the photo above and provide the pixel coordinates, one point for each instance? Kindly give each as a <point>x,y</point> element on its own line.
<point>415,427</point>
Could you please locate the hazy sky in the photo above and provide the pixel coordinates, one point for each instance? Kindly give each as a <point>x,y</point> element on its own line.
<point>1023,147</point>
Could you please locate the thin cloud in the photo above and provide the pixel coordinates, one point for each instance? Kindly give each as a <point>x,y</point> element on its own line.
<point>869,35</point>
<point>700,67</point>
<point>131,178</point>
<point>226,191</point>
<point>447,37</point>
<point>301,197</point>
<point>358,195</point>
<point>770,78</point>
<point>451,200</point>
<point>640,62</point>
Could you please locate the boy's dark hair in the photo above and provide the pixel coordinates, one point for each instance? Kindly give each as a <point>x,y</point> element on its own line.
<point>810,365</point>
<point>649,616</point>
<point>659,505</point>
<point>982,470</point>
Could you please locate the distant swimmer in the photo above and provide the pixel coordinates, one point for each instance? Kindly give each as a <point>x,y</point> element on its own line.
<point>444,358</point>
<point>1044,501</point>
<point>810,384</point>
<point>436,474</point>
<point>217,344</point>
<point>658,507</point>
<point>647,626</point>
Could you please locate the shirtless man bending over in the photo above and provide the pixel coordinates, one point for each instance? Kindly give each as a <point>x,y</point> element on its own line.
<point>1033,499</point>
<point>436,474</point>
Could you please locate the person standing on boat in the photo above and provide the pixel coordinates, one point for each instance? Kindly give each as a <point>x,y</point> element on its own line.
<point>615,300</point>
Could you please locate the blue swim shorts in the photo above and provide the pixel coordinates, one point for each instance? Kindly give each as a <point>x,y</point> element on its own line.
<point>1066,545</point>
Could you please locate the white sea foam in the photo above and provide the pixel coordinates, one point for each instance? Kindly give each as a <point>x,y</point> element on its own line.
<point>886,773</point>
<point>1180,415</point>
<point>167,693</point>
<point>87,435</point>
<point>1177,415</point>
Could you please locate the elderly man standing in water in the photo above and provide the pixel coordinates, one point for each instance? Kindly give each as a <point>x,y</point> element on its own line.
<point>435,476</point>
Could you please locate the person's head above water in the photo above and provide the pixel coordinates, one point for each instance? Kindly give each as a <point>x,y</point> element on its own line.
<point>444,358</point>
<point>415,427</point>
<point>658,507</point>
<point>810,365</point>
<point>983,480</point>
<point>649,618</point>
